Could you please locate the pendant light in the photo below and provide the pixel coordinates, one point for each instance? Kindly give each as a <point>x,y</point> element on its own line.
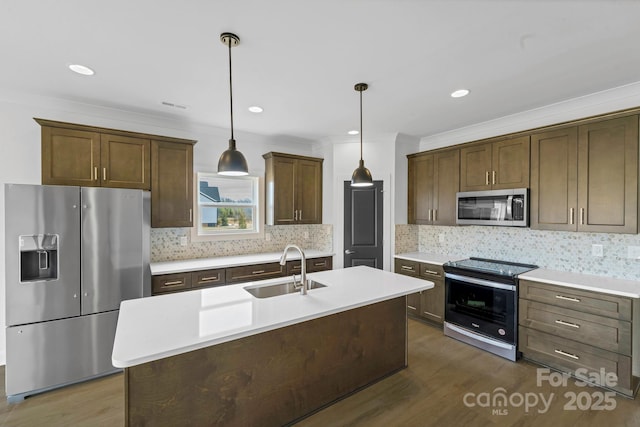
<point>231,162</point>
<point>361,176</point>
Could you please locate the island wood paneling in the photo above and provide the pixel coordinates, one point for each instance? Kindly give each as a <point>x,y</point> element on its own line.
<point>273,378</point>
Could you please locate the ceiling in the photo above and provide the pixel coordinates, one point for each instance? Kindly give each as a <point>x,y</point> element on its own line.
<point>299,60</point>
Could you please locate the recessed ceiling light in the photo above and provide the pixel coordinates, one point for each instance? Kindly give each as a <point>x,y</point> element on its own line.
<point>459,93</point>
<point>255,109</point>
<point>81,69</point>
<point>353,132</point>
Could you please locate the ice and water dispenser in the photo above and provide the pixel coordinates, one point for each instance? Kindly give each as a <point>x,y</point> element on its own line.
<point>38,257</point>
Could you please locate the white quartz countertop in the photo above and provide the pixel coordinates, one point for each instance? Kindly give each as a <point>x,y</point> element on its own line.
<point>437,259</point>
<point>166,325</point>
<point>168,267</point>
<point>621,287</point>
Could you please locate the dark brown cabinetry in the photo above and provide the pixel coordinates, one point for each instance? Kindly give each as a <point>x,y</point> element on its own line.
<point>573,330</point>
<point>171,184</point>
<point>427,304</point>
<point>433,183</point>
<point>175,282</point>
<point>495,165</point>
<point>312,264</point>
<point>293,189</point>
<point>85,156</point>
<point>89,156</point>
<point>585,178</point>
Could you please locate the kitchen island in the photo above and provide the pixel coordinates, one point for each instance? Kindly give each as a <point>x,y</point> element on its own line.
<point>222,356</point>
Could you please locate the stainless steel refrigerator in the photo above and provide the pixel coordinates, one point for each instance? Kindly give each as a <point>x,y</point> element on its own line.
<point>72,255</point>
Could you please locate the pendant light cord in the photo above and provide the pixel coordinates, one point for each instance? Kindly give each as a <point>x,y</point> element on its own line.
<point>360,125</point>
<point>230,89</point>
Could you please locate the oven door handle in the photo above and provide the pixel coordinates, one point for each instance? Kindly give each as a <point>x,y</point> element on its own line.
<point>480,282</point>
<point>479,337</point>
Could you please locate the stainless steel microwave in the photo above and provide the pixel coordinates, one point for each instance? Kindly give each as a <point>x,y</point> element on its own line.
<point>493,207</point>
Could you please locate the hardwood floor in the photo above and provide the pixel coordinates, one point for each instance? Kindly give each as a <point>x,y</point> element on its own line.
<point>430,392</point>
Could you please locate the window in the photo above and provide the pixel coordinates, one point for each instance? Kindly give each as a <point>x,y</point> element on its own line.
<point>227,207</point>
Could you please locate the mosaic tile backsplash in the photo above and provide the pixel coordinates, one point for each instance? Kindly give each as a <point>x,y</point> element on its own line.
<point>165,242</point>
<point>556,250</point>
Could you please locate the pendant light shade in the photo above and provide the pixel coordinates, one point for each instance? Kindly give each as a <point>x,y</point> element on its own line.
<point>361,176</point>
<point>231,162</point>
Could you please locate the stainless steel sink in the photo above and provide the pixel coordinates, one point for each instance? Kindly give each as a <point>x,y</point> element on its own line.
<point>267,291</point>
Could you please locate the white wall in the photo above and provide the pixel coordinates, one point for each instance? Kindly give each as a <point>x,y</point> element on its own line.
<point>619,98</point>
<point>20,146</point>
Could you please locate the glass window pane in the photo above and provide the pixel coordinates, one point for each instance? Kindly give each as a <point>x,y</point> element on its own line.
<point>226,190</point>
<point>223,220</point>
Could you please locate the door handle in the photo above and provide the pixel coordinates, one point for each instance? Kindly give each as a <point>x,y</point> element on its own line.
<point>349,252</point>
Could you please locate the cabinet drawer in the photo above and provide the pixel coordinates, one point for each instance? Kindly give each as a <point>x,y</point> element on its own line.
<point>170,282</point>
<point>250,273</point>
<point>609,334</point>
<point>206,278</point>
<point>431,271</point>
<point>319,264</point>
<point>577,299</point>
<point>409,268</point>
<point>568,356</point>
<point>414,304</point>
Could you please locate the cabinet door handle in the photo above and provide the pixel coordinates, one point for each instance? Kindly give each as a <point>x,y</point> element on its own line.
<point>257,272</point>
<point>172,284</point>
<point>411,307</point>
<point>486,179</point>
<point>295,215</point>
<point>493,177</point>
<point>562,322</point>
<point>407,267</point>
<point>320,264</point>
<point>435,215</point>
<point>435,273</point>
<point>190,215</point>
<point>570,216</point>
<point>581,216</point>
<point>104,174</point>
<point>209,279</point>
<point>300,216</point>
<point>95,173</point>
<point>562,297</point>
<point>564,353</point>
<point>429,214</point>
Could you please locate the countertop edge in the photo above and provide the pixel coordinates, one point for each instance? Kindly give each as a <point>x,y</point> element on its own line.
<point>428,258</point>
<point>619,287</point>
<point>196,264</point>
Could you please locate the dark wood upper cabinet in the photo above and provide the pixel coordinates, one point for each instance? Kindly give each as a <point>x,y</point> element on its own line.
<point>125,162</point>
<point>585,178</point>
<point>171,184</point>
<point>554,179</point>
<point>70,157</point>
<point>89,157</point>
<point>434,179</point>
<point>293,189</point>
<point>495,165</point>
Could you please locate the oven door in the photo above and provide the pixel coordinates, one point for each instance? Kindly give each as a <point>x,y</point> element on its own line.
<point>482,306</point>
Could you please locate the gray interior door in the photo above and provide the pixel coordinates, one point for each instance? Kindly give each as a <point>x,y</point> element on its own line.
<point>363,225</point>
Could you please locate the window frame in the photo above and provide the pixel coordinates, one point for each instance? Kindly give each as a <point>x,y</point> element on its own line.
<point>231,234</point>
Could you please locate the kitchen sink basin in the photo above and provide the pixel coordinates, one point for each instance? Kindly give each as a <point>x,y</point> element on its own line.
<point>273,290</point>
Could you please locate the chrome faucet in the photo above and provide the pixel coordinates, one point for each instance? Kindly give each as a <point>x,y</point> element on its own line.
<point>303,266</point>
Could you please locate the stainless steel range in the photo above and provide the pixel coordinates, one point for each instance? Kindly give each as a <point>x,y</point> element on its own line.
<point>481,303</point>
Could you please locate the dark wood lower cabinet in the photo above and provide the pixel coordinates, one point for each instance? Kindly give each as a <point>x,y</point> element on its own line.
<point>176,282</point>
<point>429,304</point>
<point>273,378</point>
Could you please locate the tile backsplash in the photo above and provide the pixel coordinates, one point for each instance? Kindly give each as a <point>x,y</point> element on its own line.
<point>165,242</point>
<point>556,250</point>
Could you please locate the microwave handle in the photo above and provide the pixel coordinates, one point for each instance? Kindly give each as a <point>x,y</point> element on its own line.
<point>509,207</point>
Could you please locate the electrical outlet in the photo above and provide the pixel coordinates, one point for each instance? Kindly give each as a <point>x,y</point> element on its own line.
<point>633,252</point>
<point>597,250</point>
<point>267,237</point>
<point>183,241</point>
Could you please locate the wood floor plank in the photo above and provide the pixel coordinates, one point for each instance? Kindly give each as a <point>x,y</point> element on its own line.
<point>430,392</point>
